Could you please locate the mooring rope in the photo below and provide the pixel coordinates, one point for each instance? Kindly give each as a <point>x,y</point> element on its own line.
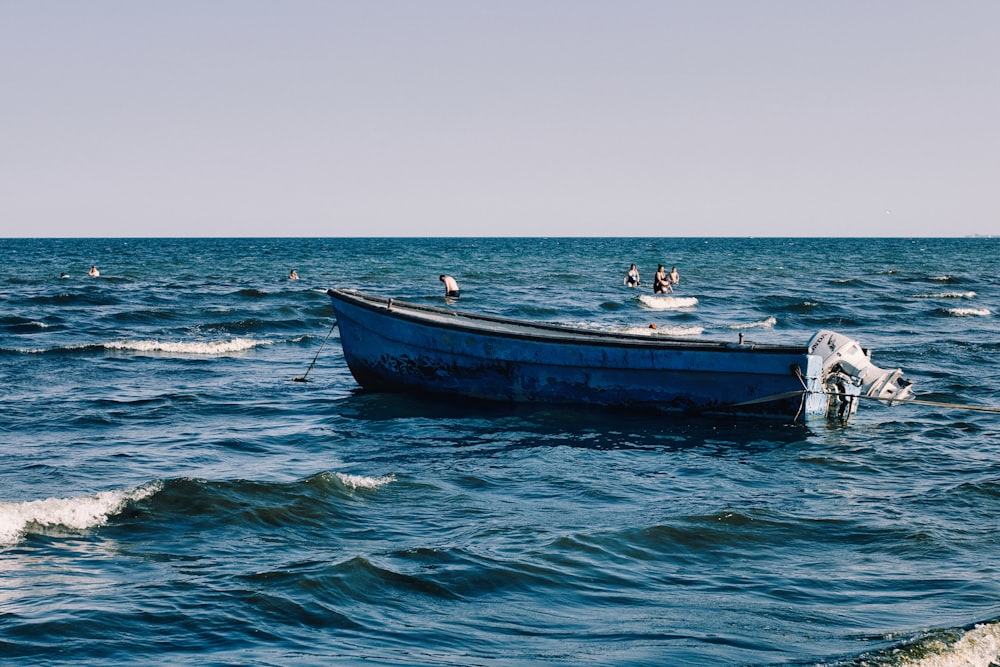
<point>891,401</point>
<point>769,399</point>
<point>917,401</point>
<point>302,378</point>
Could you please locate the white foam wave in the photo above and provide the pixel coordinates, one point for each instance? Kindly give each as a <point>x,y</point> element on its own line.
<point>946,295</point>
<point>979,647</point>
<point>43,350</point>
<point>968,312</point>
<point>78,513</point>
<point>665,331</point>
<point>667,302</point>
<point>942,279</point>
<point>362,482</point>
<point>766,323</point>
<point>216,348</point>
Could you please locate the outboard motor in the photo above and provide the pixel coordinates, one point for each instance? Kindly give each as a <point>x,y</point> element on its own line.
<point>843,356</point>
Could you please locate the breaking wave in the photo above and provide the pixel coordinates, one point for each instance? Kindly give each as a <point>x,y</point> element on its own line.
<point>79,513</point>
<point>667,302</point>
<point>201,348</point>
<point>18,519</point>
<point>978,647</point>
<point>946,295</point>
<point>766,323</point>
<point>222,347</point>
<point>967,312</point>
<point>364,482</point>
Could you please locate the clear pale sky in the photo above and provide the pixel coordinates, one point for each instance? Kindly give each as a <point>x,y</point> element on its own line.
<point>499,118</point>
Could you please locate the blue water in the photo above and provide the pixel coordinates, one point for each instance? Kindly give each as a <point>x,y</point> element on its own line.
<point>171,496</point>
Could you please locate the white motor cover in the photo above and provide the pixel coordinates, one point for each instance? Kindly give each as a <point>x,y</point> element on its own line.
<point>837,349</point>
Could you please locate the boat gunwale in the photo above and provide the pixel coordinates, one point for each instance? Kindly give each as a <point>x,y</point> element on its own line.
<point>523,330</point>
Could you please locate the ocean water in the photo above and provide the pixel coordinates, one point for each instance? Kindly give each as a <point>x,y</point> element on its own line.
<point>171,496</point>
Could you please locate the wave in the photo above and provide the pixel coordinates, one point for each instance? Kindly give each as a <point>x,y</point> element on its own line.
<point>767,323</point>
<point>23,325</point>
<point>79,513</point>
<point>14,320</point>
<point>946,295</point>
<point>214,348</point>
<point>647,330</point>
<point>364,482</point>
<point>74,299</point>
<point>201,348</point>
<point>252,293</point>
<point>82,347</point>
<point>655,330</point>
<point>966,312</point>
<point>852,282</point>
<point>667,302</point>
<point>979,646</point>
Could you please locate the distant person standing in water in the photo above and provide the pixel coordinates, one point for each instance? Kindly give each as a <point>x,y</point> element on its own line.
<point>93,273</point>
<point>674,276</point>
<point>450,285</point>
<point>632,277</point>
<point>292,275</point>
<point>661,282</point>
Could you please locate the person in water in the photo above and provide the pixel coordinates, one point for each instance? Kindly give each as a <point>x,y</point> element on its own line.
<point>661,282</point>
<point>292,275</point>
<point>674,276</point>
<point>93,273</point>
<point>632,277</point>
<point>450,285</point>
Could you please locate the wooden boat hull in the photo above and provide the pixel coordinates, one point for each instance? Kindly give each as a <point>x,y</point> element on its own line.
<point>395,346</point>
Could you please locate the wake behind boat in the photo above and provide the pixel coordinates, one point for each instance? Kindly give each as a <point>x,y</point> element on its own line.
<point>397,346</point>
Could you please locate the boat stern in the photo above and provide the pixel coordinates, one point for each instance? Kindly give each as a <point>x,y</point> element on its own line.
<point>848,374</point>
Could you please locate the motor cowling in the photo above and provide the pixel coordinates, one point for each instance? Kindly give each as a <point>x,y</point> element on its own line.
<point>841,354</point>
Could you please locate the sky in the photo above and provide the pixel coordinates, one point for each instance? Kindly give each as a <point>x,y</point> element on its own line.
<point>658,118</point>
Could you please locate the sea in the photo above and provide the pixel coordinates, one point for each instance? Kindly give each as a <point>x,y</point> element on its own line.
<point>190,475</point>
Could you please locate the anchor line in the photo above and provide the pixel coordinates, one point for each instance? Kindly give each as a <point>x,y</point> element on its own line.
<point>917,401</point>
<point>806,391</point>
<point>890,401</point>
<point>772,397</point>
<point>302,378</point>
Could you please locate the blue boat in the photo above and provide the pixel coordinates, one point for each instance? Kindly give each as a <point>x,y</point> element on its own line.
<point>391,345</point>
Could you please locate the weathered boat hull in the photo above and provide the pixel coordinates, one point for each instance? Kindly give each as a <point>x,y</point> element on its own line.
<point>404,347</point>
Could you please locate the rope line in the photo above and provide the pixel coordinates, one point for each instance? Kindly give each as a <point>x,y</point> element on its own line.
<point>773,397</point>
<point>934,404</point>
<point>891,401</point>
<point>302,378</point>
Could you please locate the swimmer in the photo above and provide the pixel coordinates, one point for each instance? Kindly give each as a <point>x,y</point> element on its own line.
<point>93,273</point>
<point>64,275</point>
<point>661,283</point>
<point>632,277</point>
<point>292,275</point>
<point>450,285</point>
<point>674,276</point>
